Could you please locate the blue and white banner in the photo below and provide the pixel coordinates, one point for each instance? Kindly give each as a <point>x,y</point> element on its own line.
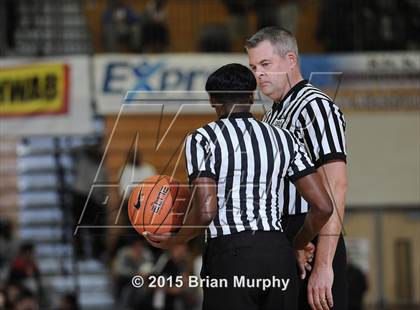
<point>355,81</point>
<point>168,77</point>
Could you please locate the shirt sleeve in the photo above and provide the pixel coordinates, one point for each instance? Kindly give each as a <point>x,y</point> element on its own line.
<point>300,163</point>
<point>199,158</point>
<point>323,127</point>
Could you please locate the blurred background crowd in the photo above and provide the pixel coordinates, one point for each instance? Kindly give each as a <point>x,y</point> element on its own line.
<point>48,261</point>
<point>42,27</point>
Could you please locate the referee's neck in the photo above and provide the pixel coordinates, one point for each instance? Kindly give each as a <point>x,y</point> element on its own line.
<point>230,109</point>
<point>291,82</point>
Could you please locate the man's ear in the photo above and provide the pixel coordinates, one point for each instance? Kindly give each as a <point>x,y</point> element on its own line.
<point>292,59</point>
<point>212,103</point>
<point>251,98</point>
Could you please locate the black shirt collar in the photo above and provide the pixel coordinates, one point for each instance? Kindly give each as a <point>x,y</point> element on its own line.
<point>292,92</point>
<point>237,115</point>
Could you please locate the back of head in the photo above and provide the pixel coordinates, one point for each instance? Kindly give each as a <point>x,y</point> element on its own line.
<point>69,302</point>
<point>26,248</point>
<point>281,39</point>
<point>26,301</point>
<point>231,84</point>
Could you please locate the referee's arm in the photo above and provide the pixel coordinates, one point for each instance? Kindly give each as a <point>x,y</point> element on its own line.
<point>303,175</point>
<point>202,207</point>
<point>202,176</point>
<point>324,135</point>
<point>312,190</point>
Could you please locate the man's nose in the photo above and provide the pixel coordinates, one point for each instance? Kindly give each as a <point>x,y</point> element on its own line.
<point>260,73</point>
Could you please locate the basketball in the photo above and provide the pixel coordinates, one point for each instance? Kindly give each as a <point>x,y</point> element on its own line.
<point>158,205</point>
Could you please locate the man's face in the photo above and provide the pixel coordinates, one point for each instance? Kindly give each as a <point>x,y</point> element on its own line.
<point>270,69</point>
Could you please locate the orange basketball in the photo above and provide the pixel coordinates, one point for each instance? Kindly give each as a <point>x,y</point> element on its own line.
<point>158,205</point>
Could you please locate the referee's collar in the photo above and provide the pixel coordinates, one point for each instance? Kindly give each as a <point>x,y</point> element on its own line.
<point>237,115</point>
<point>292,92</point>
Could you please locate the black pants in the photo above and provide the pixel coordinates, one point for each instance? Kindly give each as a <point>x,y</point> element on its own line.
<point>259,255</point>
<point>291,225</point>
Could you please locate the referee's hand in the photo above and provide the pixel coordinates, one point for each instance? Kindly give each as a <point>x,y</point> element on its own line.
<point>304,258</point>
<point>320,288</point>
<point>161,241</point>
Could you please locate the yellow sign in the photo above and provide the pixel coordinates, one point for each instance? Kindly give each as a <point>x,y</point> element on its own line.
<point>37,89</point>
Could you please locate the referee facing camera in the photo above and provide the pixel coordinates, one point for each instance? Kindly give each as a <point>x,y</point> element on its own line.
<point>318,123</point>
<point>238,167</point>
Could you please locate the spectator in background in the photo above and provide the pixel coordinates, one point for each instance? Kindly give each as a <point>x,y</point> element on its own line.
<point>277,13</point>
<point>154,33</point>
<point>2,299</point>
<point>368,25</point>
<point>266,11</point>
<point>7,247</point>
<point>9,20</point>
<point>130,261</point>
<point>89,242</point>
<point>288,14</point>
<point>69,302</point>
<point>11,293</point>
<point>135,171</point>
<point>411,13</point>
<point>155,11</point>
<point>24,269</point>
<point>26,301</point>
<point>335,25</point>
<point>357,285</point>
<point>175,262</point>
<point>237,23</point>
<point>120,27</point>
<point>214,38</point>
<point>282,13</point>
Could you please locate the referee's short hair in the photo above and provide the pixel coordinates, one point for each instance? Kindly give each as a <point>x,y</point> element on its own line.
<point>232,83</point>
<point>282,40</point>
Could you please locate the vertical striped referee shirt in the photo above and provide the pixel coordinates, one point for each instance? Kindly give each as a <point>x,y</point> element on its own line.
<point>249,160</point>
<point>314,119</point>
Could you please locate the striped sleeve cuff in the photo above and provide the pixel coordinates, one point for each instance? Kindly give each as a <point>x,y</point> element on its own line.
<point>201,174</point>
<point>293,178</point>
<point>330,157</point>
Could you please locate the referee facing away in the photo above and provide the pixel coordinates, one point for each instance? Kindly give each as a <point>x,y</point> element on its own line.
<point>319,124</point>
<point>237,166</point>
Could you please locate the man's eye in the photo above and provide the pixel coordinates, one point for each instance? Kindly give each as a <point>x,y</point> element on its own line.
<point>265,64</point>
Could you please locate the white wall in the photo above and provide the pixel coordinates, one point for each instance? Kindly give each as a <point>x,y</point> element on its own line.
<point>384,157</point>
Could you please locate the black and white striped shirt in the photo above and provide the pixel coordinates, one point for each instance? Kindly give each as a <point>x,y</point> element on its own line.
<point>318,123</point>
<point>249,161</point>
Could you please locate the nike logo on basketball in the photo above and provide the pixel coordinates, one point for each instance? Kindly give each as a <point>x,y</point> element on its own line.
<point>139,198</point>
